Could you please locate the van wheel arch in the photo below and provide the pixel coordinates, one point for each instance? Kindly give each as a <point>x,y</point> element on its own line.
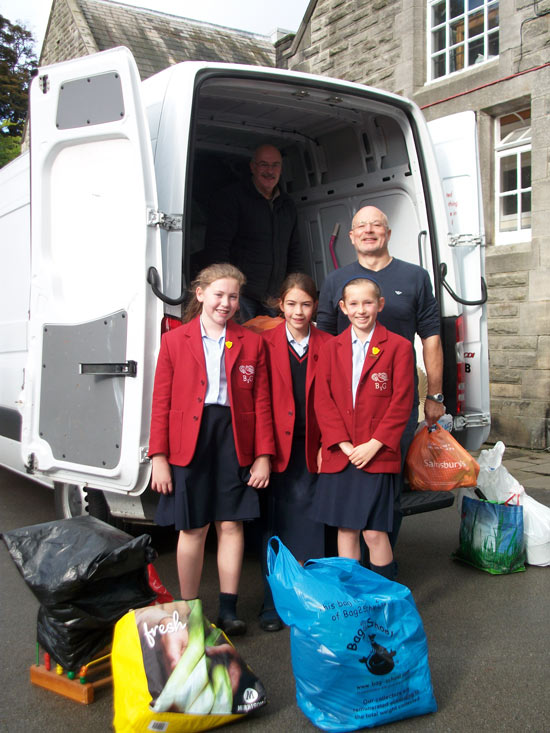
<point>74,501</point>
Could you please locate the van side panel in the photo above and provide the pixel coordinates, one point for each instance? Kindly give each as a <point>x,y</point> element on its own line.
<point>15,257</point>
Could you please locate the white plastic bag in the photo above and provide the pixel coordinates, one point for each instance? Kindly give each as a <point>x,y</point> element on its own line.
<point>536,527</point>
<point>494,479</point>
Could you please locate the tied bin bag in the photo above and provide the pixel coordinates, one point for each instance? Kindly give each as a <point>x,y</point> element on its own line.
<point>358,647</point>
<point>437,462</point>
<point>86,574</point>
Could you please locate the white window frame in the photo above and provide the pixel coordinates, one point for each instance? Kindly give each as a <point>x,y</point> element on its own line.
<point>448,47</point>
<point>521,143</point>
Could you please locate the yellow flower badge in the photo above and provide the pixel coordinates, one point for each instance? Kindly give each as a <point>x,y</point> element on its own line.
<point>229,344</point>
<point>375,351</point>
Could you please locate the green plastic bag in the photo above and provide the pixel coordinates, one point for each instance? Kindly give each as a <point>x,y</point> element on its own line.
<point>491,536</point>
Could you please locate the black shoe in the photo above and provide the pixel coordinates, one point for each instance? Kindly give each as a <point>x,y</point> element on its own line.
<point>270,620</point>
<point>231,626</point>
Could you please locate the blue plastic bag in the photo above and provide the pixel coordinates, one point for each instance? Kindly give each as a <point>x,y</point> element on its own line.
<point>491,536</point>
<point>358,647</point>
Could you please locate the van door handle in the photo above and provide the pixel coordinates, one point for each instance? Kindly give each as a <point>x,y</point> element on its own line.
<point>420,241</point>
<point>123,369</point>
<point>483,299</point>
<point>153,279</point>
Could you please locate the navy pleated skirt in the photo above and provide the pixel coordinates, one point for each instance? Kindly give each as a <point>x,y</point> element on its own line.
<point>213,486</point>
<point>291,495</point>
<point>355,499</point>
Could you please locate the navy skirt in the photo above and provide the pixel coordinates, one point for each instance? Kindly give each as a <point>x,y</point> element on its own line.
<point>355,499</point>
<point>213,486</point>
<point>290,498</point>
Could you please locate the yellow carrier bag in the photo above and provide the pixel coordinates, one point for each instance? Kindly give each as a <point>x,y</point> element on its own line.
<point>174,671</point>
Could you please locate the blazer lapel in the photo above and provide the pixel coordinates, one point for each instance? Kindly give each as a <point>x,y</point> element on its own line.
<point>195,341</point>
<point>375,351</point>
<point>345,355</point>
<point>233,345</point>
<point>280,343</point>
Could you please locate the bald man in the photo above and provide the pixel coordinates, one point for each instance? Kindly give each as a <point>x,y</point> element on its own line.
<point>410,308</point>
<point>252,224</point>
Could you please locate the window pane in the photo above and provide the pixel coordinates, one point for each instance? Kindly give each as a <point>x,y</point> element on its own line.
<point>438,66</point>
<point>448,30</point>
<point>493,44</point>
<point>517,122</point>
<point>508,173</point>
<point>526,170</point>
<point>457,32</point>
<point>475,24</point>
<point>475,52</point>
<point>526,211</point>
<point>508,213</point>
<point>456,58</point>
<point>457,7</point>
<point>438,14</point>
<point>438,40</point>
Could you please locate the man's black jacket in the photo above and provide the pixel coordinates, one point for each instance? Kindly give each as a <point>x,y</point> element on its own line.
<point>259,238</point>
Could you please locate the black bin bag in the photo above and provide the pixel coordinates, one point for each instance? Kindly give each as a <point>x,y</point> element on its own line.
<point>86,575</point>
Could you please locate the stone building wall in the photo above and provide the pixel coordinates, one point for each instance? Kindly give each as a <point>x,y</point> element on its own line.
<point>67,35</point>
<point>383,43</point>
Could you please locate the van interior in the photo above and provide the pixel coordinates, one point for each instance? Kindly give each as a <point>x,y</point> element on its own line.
<point>340,152</point>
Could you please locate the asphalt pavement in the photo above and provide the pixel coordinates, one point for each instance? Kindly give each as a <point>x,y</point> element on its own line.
<point>488,636</point>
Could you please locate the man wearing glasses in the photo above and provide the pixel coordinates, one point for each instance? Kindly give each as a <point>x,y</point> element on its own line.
<point>252,224</point>
<point>410,308</point>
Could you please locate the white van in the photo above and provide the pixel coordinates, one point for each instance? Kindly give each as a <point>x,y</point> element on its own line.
<point>98,227</point>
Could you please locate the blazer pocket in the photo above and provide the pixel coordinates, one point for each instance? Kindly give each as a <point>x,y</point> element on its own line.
<point>380,383</point>
<point>245,373</point>
<point>175,430</point>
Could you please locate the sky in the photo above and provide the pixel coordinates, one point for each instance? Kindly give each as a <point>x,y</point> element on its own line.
<point>257,16</point>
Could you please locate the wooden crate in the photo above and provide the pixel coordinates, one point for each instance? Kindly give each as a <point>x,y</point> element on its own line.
<point>97,674</point>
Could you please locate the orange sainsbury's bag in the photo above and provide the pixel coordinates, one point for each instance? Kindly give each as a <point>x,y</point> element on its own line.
<point>437,462</point>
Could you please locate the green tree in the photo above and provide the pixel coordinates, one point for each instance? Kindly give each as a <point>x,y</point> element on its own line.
<point>17,59</point>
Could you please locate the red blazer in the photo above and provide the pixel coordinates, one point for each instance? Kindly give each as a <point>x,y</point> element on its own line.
<point>180,389</point>
<point>383,401</point>
<point>282,397</point>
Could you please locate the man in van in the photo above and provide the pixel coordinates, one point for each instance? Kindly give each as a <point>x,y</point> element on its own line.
<point>252,224</point>
<point>410,308</point>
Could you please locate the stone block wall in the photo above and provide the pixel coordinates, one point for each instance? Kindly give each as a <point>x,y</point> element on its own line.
<point>383,43</point>
<point>68,35</point>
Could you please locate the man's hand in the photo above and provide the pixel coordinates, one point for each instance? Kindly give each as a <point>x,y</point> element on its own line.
<point>433,411</point>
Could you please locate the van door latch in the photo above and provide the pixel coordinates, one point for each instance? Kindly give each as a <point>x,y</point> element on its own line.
<point>170,222</point>
<point>124,369</point>
<point>465,240</point>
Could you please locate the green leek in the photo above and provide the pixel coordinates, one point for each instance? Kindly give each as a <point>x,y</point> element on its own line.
<point>223,694</point>
<point>190,675</point>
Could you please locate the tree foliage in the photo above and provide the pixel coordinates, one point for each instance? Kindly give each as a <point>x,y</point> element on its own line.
<point>17,59</point>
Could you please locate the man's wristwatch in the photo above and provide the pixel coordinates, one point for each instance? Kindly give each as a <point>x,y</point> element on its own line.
<point>437,397</point>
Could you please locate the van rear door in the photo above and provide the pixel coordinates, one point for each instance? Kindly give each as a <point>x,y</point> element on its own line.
<point>95,323</point>
<point>455,142</point>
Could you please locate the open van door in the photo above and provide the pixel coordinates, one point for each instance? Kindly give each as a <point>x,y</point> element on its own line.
<point>95,324</point>
<point>455,142</point>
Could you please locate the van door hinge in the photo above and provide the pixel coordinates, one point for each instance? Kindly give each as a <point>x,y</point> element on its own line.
<point>465,240</point>
<point>472,420</point>
<point>170,222</point>
<point>144,454</point>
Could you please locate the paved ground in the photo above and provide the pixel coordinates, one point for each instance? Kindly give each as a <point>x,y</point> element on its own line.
<point>488,636</point>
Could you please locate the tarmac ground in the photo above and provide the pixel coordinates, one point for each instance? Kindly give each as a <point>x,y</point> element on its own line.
<point>488,636</point>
